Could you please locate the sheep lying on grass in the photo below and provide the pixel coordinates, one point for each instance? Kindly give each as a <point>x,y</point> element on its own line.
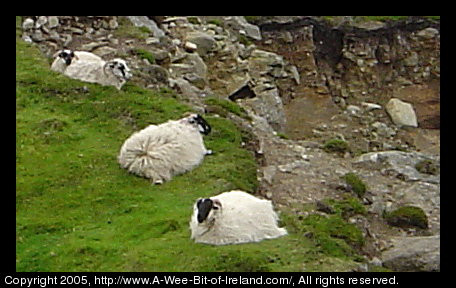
<point>91,68</point>
<point>159,152</point>
<point>63,59</point>
<point>234,217</point>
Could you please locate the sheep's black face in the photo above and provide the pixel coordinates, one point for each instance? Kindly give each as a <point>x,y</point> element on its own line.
<point>67,56</point>
<point>204,207</point>
<point>120,69</point>
<point>203,126</point>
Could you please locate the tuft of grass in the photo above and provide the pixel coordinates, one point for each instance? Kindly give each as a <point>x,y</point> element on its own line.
<point>355,183</point>
<point>406,217</point>
<point>144,54</point>
<point>336,146</point>
<point>127,29</point>
<point>427,167</point>
<point>222,106</point>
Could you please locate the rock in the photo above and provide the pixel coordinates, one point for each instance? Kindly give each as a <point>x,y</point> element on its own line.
<point>236,24</point>
<point>383,129</point>
<point>28,24</point>
<point>399,164</point>
<point>428,33</point>
<point>412,60</point>
<point>353,110</point>
<point>40,21</point>
<point>294,73</point>
<point>93,45</point>
<point>371,106</point>
<point>401,113</point>
<point>190,47</point>
<point>268,104</point>
<point>113,24</point>
<point>418,254</point>
<point>141,21</point>
<point>53,21</point>
<point>204,42</point>
<point>156,74</point>
<point>104,51</point>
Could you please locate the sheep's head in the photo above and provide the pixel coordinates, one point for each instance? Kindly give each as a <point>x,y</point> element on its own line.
<point>66,55</point>
<point>119,68</point>
<point>198,121</point>
<point>208,209</point>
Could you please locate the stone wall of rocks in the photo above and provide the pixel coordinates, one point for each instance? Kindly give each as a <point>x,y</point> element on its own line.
<point>367,62</point>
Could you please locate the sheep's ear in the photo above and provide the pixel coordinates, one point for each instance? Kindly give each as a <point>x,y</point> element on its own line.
<point>216,203</point>
<point>74,56</point>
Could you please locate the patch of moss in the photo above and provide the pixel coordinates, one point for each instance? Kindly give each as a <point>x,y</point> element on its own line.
<point>144,54</point>
<point>193,20</point>
<point>127,29</point>
<point>407,217</point>
<point>336,146</point>
<point>355,183</point>
<point>215,22</point>
<point>427,167</point>
<point>218,105</point>
<point>346,207</point>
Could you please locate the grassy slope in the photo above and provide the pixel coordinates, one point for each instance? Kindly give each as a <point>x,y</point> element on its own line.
<point>76,210</point>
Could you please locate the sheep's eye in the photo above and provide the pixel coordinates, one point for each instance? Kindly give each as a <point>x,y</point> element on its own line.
<point>215,208</point>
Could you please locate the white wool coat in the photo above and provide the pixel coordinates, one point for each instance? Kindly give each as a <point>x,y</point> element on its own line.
<point>160,152</point>
<point>241,218</point>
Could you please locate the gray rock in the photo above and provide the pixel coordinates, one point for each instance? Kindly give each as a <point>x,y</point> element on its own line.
<point>428,33</point>
<point>53,21</point>
<point>141,21</point>
<point>28,24</point>
<point>204,42</point>
<point>418,254</point>
<point>40,21</point>
<point>401,113</point>
<point>236,24</point>
<point>399,164</point>
<point>104,51</point>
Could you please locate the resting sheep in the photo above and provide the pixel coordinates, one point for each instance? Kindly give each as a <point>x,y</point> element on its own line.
<point>159,152</point>
<point>91,68</point>
<point>234,217</point>
<point>63,59</point>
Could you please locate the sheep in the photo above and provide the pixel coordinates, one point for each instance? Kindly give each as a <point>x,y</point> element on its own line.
<point>111,73</point>
<point>234,217</point>
<point>63,59</point>
<point>91,68</point>
<point>160,152</point>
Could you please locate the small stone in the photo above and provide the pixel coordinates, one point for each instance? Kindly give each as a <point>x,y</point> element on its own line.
<point>53,21</point>
<point>28,24</point>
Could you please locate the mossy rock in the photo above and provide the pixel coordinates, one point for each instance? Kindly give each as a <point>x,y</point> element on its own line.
<point>407,217</point>
<point>336,146</point>
<point>355,183</point>
<point>427,167</point>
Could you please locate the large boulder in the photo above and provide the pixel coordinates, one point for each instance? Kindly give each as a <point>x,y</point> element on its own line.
<point>417,254</point>
<point>401,113</point>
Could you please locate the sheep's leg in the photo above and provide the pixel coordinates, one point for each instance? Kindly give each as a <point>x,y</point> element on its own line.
<point>209,152</point>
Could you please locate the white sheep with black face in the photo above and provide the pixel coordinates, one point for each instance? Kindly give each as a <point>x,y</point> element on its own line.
<point>88,67</point>
<point>66,57</point>
<point>107,73</point>
<point>160,152</point>
<point>234,217</point>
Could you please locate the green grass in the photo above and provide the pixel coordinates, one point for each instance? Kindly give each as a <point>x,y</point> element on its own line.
<point>77,210</point>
